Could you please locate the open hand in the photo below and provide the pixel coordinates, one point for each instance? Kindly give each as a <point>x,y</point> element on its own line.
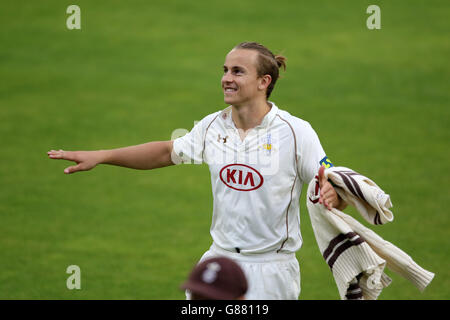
<point>85,160</point>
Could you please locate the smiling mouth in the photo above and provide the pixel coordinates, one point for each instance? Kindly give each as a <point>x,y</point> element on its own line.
<point>230,90</point>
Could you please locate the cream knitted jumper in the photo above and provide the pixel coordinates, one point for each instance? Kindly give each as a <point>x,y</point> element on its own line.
<point>355,254</point>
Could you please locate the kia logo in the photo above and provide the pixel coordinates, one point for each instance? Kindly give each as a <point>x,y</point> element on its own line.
<point>241,177</point>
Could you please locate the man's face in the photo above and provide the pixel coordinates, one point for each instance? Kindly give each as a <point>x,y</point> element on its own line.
<point>240,82</point>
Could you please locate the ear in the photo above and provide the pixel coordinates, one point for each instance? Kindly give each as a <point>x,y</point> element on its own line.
<point>264,82</point>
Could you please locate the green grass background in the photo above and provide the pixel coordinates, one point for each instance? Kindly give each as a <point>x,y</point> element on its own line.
<point>137,70</point>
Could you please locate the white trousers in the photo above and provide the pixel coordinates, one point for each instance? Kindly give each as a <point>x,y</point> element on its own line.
<point>270,276</point>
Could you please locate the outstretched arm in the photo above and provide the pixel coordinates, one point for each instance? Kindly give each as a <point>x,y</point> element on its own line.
<point>145,156</point>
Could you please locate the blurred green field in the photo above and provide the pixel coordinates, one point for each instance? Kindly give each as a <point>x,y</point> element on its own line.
<point>137,70</point>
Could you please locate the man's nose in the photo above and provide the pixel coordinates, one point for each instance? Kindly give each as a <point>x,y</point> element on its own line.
<point>226,78</point>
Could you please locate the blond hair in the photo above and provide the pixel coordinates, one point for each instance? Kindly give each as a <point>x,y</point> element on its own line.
<point>268,63</point>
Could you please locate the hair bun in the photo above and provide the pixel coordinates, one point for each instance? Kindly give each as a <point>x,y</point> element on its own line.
<point>281,61</point>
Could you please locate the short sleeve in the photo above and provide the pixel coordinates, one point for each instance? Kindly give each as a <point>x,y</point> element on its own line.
<point>310,153</point>
<point>189,148</point>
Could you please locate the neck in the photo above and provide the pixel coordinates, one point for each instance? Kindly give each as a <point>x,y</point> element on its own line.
<point>248,116</point>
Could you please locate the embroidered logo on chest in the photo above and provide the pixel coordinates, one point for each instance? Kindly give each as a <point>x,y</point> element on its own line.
<point>224,140</point>
<point>267,144</point>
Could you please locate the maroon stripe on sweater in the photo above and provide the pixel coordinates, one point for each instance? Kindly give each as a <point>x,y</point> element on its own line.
<point>339,247</point>
<point>377,219</point>
<point>353,286</point>
<point>347,183</point>
<point>351,183</point>
<point>354,296</point>
<point>316,192</point>
<point>339,238</point>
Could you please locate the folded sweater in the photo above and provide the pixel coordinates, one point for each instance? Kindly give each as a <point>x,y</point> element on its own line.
<point>355,254</point>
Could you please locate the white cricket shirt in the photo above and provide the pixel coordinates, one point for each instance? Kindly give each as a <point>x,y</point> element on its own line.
<point>256,183</point>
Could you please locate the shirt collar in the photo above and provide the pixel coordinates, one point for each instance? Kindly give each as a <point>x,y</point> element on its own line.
<point>267,120</point>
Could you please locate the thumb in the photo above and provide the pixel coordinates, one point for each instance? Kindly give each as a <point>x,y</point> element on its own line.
<point>322,178</point>
<point>72,169</point>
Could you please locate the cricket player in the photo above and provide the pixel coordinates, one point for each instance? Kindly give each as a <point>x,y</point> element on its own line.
<point>259,157</point>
